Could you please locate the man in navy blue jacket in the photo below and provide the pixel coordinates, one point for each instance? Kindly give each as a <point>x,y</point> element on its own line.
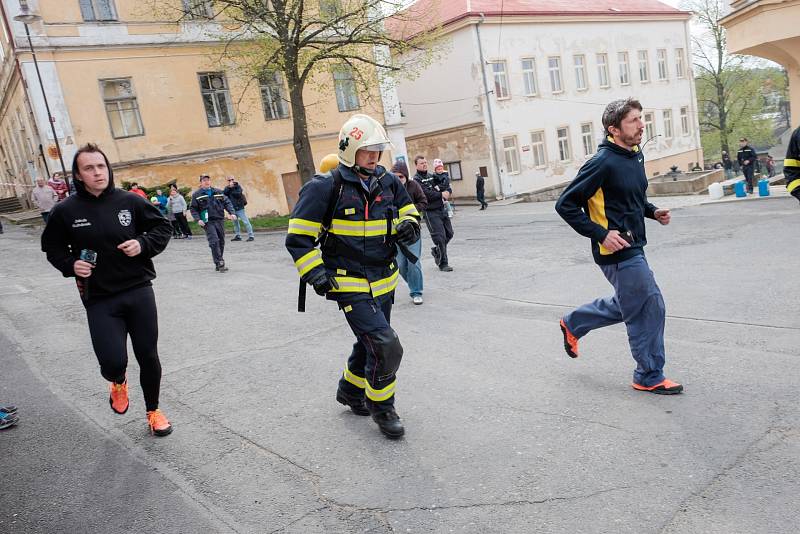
<point>607,203</point>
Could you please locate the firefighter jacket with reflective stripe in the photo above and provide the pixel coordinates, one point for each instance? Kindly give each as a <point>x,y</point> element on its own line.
<point>791,165</point>
<point>358,247</point>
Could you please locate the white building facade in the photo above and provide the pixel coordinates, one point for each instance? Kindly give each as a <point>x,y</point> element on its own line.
<point>548,79</point>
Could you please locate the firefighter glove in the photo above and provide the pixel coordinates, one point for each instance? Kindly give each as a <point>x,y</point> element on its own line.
<point>322,282</point>
<point>407,233</point>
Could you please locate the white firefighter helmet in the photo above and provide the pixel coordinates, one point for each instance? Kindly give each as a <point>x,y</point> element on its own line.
<point>361,132</point>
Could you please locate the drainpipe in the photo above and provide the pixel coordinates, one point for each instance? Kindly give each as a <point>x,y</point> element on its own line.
<point>498,182</point>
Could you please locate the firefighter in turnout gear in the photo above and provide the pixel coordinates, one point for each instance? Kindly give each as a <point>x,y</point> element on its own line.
<point>791,165</point>
<point>343,236</point>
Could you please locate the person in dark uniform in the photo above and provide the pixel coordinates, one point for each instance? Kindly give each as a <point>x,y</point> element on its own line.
<point>208,207</point>
<point>791,165</point>
<point>106,238</point>
<point>747,161</point>
<point>357,214</point>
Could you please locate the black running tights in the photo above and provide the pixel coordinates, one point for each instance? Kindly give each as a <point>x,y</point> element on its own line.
<point>111,320</point>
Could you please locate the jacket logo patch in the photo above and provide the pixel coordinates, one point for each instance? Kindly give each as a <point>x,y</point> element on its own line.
<point>78,223</point>
<point>124,217</point>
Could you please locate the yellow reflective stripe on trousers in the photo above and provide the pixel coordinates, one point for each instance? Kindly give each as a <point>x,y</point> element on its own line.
<point>794,184</point>
<point>308,262</point>
<point>380,395</point>
<point>409,209</point>
<point>351,284</point>
<point>385,285</point>
<point>304,227</point>
<point>788,162</point>
<point>354,379</point>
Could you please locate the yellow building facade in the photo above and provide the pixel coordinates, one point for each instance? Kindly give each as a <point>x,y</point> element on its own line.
<point>155,96</point>
<point>769,29</point>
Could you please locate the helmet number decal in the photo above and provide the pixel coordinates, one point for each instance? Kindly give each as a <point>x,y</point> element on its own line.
<point>356,134</point>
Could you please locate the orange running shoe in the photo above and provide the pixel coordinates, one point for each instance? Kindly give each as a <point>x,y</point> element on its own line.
<point>158,423</point>
<point>118,397</point>
<point>570,341</point>
<point>665,387</point>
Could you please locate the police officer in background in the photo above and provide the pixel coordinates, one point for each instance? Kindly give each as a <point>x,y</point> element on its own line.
<point>791,165</point>
<point>357,214</point>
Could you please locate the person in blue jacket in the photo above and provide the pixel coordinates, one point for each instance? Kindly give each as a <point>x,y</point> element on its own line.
<point>607,203</point>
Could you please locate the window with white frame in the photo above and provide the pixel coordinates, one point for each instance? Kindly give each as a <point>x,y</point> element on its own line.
<point>685,120</point>
<point>564,148</point>
<point>453,168</point>
<point>511,154</point>
<point>649,126</point>
<point>580,72</point>
<point>529,76</point>
<point>198,9</point>
<point>602,70</point>
<point>216,98</point>
<point>587,138</point>
<point>554,67</point>
<point>122,108</point>
<point>624,68</point>
<point>98,10</point>
<point>344,85</point>
<point>667,123</point>
<point>273,96</point>
<point>500,74</point>
<point>644,70</point>
<point>538,149</point>
<point>661,55</point>
<point>680,66</point>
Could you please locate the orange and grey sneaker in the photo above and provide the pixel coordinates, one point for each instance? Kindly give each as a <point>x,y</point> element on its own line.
<point>158,423</point>
<point>118,397</point>
<point>570,341</point>
<point>665,387</point>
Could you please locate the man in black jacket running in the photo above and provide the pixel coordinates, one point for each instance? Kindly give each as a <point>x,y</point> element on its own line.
<point>106,238</point>
<point>607,203</point>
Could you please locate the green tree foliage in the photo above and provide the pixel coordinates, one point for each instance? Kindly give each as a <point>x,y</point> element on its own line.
<point>731,91</point>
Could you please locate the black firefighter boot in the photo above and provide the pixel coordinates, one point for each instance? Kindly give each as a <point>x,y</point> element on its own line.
<point>389,423</point>
<point>357,406</point>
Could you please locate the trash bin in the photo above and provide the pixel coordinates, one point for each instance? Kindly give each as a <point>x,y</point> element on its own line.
<point>739,189</point>
<point>763,188</point>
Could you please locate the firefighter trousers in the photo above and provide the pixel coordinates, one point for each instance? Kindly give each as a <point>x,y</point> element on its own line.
<point>372,366</point>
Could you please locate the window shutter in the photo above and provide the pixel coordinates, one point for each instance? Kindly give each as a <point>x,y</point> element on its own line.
<point>105,11</point>
<point>86,10</point>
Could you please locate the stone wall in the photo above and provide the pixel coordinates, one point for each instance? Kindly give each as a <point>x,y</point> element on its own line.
<point>468,145</point>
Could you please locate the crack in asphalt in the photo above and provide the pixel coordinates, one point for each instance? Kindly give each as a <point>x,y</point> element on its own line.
<point>727,468</point>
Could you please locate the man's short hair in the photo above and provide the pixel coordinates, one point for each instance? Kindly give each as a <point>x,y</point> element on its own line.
<point>617,110</point>
<point>743,140</point>
<point>417,158</point>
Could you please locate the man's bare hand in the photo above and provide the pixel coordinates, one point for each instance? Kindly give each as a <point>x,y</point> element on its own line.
<point>131,247</point>
<point>446,195</point>
<point>662,216</point>
<point>614,242</point>
<point>82,268</point>
<point>201,223</point>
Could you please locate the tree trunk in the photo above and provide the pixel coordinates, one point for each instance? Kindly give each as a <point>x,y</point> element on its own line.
<point>302,146</point>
